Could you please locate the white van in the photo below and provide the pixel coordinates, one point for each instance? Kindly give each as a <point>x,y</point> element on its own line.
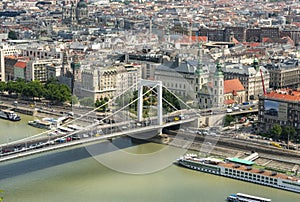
<point>228,110</point>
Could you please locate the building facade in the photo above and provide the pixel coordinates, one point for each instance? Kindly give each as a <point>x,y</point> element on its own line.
<point>37,69</point>
<point>100,82</point>
<point>234,92</point>
<point>284,74</point>
<point>6,50</point>
<point>252,77</point>
<point>279,107</point>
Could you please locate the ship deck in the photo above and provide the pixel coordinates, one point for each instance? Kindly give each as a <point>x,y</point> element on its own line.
<point>258,171</point>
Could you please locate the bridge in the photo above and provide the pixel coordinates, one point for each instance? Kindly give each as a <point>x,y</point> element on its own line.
<point>126,123</point>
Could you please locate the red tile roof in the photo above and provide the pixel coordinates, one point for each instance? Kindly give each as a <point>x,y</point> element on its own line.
<point>20,64</point>
<point>233,85</point>
<point>284,94</point>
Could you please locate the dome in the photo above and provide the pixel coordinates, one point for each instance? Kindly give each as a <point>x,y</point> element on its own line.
<point>82,4</point>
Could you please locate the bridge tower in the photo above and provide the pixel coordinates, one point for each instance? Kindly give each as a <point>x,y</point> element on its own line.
<point>150,83</point>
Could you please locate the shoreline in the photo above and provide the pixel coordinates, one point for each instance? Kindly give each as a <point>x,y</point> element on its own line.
<point>225,152</point>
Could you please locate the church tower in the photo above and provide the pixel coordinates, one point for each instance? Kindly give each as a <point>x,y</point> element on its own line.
<point>199,74</point>
<point>218,87</point>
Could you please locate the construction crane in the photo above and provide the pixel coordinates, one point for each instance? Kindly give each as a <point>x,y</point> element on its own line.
<point>262,81</point>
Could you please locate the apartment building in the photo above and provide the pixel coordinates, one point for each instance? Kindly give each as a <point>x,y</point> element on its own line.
<point>252,77</point>
<point>281,107</point>
<point>284,74</point>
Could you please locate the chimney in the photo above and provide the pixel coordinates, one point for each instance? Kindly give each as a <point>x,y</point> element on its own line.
<point>177,60</point>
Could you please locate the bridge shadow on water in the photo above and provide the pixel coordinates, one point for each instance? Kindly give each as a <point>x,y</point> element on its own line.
<point>54,158</point>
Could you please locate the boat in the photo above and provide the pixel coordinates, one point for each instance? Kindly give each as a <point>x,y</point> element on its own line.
<point>242,170</point>
<point>9,115</point>
<point>41,124</point>
<point>240,197</point>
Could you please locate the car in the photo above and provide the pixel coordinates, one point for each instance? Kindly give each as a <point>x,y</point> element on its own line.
<point>68,138</point>
<point>236,108</point>
<point>61,140</point>
<point>75,137</point>
<point>228,110</point>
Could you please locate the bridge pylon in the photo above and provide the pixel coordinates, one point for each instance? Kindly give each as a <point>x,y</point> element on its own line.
<point>158,86</point>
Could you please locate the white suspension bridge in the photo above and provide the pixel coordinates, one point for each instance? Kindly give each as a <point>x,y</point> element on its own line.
<point>138,127</point>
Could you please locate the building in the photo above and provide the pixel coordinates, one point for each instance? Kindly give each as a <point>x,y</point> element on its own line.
<point>281,107</point>
<point>75,13</point>
<point>37,69</point>
<point>192,80</point>
<point>234,92</point>
<point>284,74</point>
<point>20,69</point>
<point>99,82</point>
<point>178,75</point>
<point>6,50</point>
<point>252,77</point>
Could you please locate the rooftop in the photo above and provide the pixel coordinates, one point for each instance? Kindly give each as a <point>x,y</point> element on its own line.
<point>284,94</point>
<point>233,85</point>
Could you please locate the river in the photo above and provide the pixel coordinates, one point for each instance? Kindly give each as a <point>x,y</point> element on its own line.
<point>74,175</point>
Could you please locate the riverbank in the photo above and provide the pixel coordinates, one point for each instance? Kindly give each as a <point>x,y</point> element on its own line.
<point>272,160</point>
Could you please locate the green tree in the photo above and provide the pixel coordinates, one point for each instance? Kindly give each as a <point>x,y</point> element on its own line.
<point>20,86</point>
<point>87,101</point>
<point>11,87</point>
<point>288,133</point>
<point>64,93</point>
<point>2,86</point>
<point>101,103</point>
<point>51,80</point>
<point>58,93</point>
<point>276,131</point>
<point>228,119</point>
<point>74,99</point>
<point>34,89</point>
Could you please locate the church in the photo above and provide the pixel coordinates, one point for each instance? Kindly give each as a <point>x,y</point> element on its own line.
<point>195,80</point>
<point>75,12</point>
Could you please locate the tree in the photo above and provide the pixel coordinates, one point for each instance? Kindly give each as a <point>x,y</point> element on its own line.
<point>228,120</point>
<point>74,99</point>
<point>2,86</point>
<point>64,93</point>
<point>87,101</point>
<point>276,131</point>
<point>11,87</point>
<point>102,104</point>
<point>288,133</point>
<point>34,89</point>
<point>51,80</point>
<point>20,85</point>
<point>57,92</point>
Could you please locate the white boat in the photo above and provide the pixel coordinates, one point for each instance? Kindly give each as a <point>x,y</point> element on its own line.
<point>242,170</point>
<point>240,197</point>
<point>9,115</point>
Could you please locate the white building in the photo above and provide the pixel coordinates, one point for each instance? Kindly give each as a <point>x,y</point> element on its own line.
<point>37,69</point>
<point>250,77</point>
<point>100,82</point>
<point>6,50</point>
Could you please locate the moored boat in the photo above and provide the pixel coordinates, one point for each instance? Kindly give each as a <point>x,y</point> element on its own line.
<point>41,124</point>
<point>9,115</point>
<point>240,197</point>
<point>241,172</point>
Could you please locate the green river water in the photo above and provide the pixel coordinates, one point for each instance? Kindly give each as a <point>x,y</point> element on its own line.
<point>73,175</point>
